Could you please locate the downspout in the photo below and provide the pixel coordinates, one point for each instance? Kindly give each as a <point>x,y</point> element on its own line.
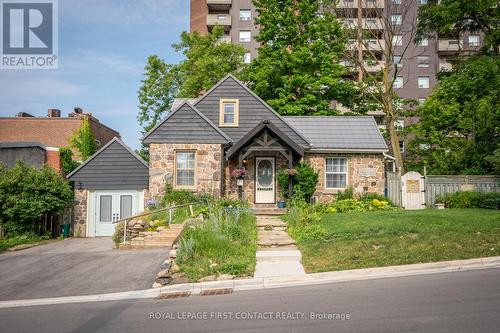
<point>222,173</point>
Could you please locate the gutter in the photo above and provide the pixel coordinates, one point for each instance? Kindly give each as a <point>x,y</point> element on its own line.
<point>346,150</point>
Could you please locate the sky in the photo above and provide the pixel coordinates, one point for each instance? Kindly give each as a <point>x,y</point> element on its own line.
<point>103,48</point>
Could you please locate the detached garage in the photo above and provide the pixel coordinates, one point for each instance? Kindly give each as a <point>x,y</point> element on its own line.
<point>109,186</point>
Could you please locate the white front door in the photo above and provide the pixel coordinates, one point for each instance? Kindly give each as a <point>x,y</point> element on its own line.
<point>264,180</point>
<point>112,206</point>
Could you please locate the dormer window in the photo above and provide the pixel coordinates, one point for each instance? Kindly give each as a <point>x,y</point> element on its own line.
<point>229,112</point>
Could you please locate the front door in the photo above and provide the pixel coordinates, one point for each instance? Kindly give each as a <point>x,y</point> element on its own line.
<point>113,206</point>
<point>264,180</point>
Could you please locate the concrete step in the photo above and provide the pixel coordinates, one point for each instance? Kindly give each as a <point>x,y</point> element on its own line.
<point>272,221</point>
<point>278,255</point>
<point>278,268</point>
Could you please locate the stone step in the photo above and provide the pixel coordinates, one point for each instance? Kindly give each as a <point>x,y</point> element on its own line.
<point>273,222</point>
<point>278,255</point>
<point>274,238</point>
<point>268,211</point>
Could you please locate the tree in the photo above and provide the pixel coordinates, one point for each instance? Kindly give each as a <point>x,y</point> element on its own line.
<point>298,70</point>
<point>26,194</point>
<point>207,60</point>
<point>375,41</point>
<point>453,17</point>
<point>84,140</point>
<point>67,162</point>
<point>459,131</point>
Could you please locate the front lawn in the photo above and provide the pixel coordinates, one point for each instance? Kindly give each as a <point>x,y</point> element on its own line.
<point>384,238</point>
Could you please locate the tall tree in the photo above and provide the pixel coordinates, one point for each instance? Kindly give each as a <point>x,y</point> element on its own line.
<point>298,70</point>
<point>376,40</point>
<point>207,60</point>
<point>459,130</point>
<point>84,140</point>
<point>453,17</point>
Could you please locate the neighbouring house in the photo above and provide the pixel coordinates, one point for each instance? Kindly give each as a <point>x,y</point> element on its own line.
<point>201,142</point>
<point>53,130</point>
<point>110,185</point>
<point>33,154</point>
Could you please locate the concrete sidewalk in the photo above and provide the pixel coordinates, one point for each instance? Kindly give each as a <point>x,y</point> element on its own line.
<point>274,282</point>
<point>277,254</point>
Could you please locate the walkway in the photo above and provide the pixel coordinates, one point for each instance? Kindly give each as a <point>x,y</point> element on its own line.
<point>277,254</point>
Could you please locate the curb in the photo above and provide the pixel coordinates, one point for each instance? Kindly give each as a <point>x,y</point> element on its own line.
<point>271,282</point>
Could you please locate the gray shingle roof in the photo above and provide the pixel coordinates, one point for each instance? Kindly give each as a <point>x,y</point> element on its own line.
<point>179,101</point>
<point>340,132</point>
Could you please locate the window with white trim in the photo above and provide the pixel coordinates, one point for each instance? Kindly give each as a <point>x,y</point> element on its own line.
<point>423,42</point>
<point>184,169</point>
<point>473,40</point>
<point>245,14</point>
<point>335,172</point>
<point>423,82</point>
<point>397,40</point>
<point>247,58</point>
<point>423,61</point>
<point>245,35</point>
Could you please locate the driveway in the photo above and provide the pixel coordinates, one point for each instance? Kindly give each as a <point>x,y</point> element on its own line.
<point>76,266</point>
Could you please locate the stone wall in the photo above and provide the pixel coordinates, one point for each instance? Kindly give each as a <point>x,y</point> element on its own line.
<point>355,165</point>
<point>207,172</point>
<point>249,178</point>
<point>80,213</point>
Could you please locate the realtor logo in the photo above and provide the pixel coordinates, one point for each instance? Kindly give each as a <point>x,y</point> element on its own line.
<point>28,34</point>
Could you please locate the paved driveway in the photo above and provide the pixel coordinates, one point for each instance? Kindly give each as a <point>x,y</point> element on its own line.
<point>79,266</point>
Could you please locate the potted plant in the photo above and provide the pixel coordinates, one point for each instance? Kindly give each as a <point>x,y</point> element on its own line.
<point>284,176</point>
<point>238,173</point>
<point>439,202</point>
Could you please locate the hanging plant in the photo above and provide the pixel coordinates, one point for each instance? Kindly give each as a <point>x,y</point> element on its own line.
<point>239,172</point>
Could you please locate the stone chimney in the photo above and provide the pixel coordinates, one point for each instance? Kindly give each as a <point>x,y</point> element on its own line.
<point>53,113</point>
<point>78,110</point>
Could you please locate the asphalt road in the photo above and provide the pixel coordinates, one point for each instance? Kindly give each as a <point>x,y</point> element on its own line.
<point>448,302</point>
<point>77,266</point>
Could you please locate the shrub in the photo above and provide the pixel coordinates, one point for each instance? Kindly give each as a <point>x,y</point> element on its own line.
<point>370,196</point>
<point>468,199</point>
<point>27,194</point>
<point>178,197</point>
<point>282,178</point>
<point>347,194</point>
<point>349,205</point>
<point>305,181</point>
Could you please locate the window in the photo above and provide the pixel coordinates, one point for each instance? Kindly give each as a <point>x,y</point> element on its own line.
<point>423,82</point>
<point>397,61</point>
<point>473,40</point>
<point>402,146</point>
<point>397,40</point>
<point>421,100</point>
<point>396,2</point>
<point>396,19</point>
<point>336,173</point>
<point>245,36</point>
<point>105,208</point>
<point>424,42</point>
<point>423,2</point>
<point>371,23</point>
<point>245,15</point>
<point>423,61</point>
<point>184,169</point>
<point>229,112</point>
<point>399,124</point>
<point>398,82</point>
<point>222,17</point>
<point>247,58</point>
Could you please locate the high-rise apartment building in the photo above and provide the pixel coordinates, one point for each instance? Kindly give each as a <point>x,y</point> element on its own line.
<point>417,64</point>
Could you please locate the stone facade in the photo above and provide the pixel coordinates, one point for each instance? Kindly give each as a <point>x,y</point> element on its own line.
<point>207,169</point>
<point>358,176</point>
<point>80,213</point>
<point>249,178</point>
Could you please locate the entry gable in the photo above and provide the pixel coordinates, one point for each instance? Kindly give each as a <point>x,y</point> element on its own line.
<point>252,110</point>
<point>186,125</point>
<point>115,166</point>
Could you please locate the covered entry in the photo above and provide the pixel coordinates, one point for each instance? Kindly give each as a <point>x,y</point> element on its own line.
<point>109,186</point>
<point>263,151</point>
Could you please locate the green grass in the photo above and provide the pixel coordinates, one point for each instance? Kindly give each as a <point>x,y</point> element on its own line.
<point>220,245</point>
<point>371,239</point>
<point>7,243</point>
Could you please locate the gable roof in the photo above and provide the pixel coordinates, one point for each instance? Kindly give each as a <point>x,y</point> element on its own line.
<point>179,101</point>
<point>256,97</point>
<point>340,132</point>
<point>180,125</point>
<point>265,124</point>
<point>114,166</point>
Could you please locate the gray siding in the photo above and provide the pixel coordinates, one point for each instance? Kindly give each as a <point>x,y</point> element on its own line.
<point>185,125</point>
<point>114,168</point>
<point>32,156</point>
<point>252,111</point>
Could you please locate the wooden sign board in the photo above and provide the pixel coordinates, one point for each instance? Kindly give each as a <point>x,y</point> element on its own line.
<point>412,186</point>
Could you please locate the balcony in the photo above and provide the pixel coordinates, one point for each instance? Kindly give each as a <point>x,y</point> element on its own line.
<point>219,19</point>
<point>445,66</point>
<point>219,4</point>
<point>374,66</point>
<point>364,4</point>
<point>371,44</point>
<point>225,39</point>
<point>366,23</point>
<point>449,45</point>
